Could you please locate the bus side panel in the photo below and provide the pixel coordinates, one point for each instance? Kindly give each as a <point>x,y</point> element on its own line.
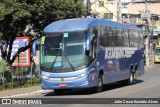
<point>115,69</point>
<point>103,64</point>
<point>139,55</point>
<point>141,68</point>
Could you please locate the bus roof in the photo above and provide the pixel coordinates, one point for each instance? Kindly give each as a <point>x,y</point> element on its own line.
<point>81,24</point>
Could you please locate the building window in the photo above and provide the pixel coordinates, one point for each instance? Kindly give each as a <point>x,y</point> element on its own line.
<point>108,15</point>
<point>101,3</point>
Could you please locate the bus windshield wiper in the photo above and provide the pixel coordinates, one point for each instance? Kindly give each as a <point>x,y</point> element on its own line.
<point>69,61</point>
<point>55,59</point>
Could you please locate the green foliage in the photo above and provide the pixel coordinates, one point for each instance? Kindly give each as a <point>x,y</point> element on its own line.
<point>33,81</point>
<point>7,70</point>
<point>9,85</point>
<point>15,15</point>
<point>48,11</point>
<point>1,34</point>
<point>4,66</point>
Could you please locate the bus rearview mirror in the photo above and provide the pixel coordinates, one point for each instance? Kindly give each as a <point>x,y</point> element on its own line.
<point>34,45</point>
<point>89,39</point>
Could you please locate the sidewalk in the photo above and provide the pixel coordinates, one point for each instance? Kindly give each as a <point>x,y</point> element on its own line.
<point>18,91</point>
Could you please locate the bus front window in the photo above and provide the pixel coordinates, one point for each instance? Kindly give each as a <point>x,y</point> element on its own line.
<point>64,50</point>
<point>158,51</point>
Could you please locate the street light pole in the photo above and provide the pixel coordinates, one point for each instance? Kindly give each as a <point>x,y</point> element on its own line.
<point>12,76</point>
<point>3,73</point>
<point>147,39</point>
<point>119,11</point>
<point>88,7</point>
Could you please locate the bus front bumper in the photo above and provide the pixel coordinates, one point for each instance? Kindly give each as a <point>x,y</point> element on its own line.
<point>156,59</point>
<point>62,84</point>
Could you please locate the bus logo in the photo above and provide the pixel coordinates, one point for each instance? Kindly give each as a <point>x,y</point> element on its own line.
<point>6,101</point>
<point>62,79</point>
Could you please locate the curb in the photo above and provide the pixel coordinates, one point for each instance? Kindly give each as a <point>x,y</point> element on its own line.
<point>34,92</point>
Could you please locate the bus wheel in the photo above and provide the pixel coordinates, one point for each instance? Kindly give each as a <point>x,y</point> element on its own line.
<point>135,77</point>
<point>131,78</point>
<point>59,91</point>
<point>99,86</point>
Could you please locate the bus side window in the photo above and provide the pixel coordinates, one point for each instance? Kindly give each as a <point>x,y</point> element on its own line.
<point>112,36</point>
<point>94,43</point>
<point>94,47</point>
<point>141,41</point>
<point>118,37</point>
<point>103,37</point>
<point>92,52</point>
<point>133,36</point>
<point>125,38</point>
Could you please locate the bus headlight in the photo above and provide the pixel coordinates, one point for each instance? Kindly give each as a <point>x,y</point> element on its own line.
<point>82,75</point>
<point>85,73</point>
<point>45,77</point>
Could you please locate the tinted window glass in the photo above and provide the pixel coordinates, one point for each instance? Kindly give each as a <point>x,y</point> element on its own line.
<point>125,37</point>
<point>133,36</point>
<point>118,37</point>
<point>112,41</point>
<point>104,36</point>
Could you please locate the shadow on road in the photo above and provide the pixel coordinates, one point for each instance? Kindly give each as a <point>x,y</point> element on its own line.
<point>107,87</point>
<point>156,62</point>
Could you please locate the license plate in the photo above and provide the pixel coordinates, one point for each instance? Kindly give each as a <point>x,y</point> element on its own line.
<point>63,85</point>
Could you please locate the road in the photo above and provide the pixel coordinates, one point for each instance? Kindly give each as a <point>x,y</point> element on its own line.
<point>148,86</point>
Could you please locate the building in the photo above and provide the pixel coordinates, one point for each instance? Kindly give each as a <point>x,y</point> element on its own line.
<point>137,11</point>
<point>107,9</point>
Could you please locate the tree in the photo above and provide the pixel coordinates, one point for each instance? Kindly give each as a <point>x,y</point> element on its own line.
<point>5,68</point>
<point>19,17</point>
<point>12,22</point>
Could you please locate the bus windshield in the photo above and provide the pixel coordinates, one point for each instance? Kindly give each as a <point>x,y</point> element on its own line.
<point>64,50</point>
<point>157,51</point>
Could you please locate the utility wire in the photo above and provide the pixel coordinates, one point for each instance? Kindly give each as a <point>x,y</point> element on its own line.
<point>94,2</point>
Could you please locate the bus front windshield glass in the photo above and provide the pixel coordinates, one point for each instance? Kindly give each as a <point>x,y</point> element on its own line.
<point>64,50</point>
<point>157,52</point>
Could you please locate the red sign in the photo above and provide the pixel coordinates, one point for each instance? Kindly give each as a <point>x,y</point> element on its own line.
<point>24,57</point>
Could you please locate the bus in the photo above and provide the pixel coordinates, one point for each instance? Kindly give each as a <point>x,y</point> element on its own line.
<point>157,53</point>
<point>88,53</point>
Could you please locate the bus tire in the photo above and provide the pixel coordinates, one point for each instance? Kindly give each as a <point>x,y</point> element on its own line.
<point>131,79</point>
<point>99,87</point>
<point>135,77</point>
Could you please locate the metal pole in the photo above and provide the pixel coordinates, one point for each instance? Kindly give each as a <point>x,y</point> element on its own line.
<point>31,73</point>
<point>3,73</point>
<point>119,13</point>
<point>147,39</point>
<point>88,7</point>
<point>146,7</point>
<point>18,69</point>
<point>147,44</point>
<point>22,74</point>
<point>12,76</point>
